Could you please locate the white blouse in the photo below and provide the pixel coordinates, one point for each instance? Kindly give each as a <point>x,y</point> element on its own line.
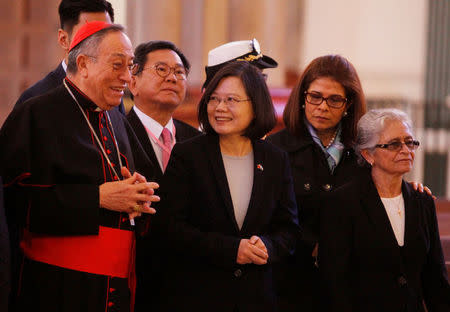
<point>395,209</point>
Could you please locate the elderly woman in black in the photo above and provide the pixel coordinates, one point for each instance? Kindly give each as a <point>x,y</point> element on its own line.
<point>229,210</point>
<point>379,246</point>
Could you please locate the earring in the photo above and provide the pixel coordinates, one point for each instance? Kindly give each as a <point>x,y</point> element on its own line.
<point>345,114</point>
<point>303,106</point>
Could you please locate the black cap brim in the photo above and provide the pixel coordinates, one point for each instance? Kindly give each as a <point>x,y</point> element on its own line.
<point>263,62</point>
<point>266,62</point>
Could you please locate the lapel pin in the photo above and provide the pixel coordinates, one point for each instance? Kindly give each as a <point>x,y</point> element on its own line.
<point>259,167</point>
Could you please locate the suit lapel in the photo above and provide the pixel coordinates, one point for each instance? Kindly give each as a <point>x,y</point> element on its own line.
<point>215,158</point>
<point>258,185</point>
<point>142,135</point>
<point>411,213</point>
<point>377,214</point>
<point>180,134</point>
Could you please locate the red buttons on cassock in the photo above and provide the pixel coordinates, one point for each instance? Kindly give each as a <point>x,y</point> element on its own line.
<point>111,290</point>
<point>112,164</point>
<point>105,138</point>
<point>108,151</point>
<point>110,304</point>
<point>124,219</point>
<point>116,178</point>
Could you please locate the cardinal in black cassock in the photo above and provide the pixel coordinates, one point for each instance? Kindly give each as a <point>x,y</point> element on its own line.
<point>68,202</point>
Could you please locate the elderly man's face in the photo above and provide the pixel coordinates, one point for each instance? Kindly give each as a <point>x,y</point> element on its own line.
<point>108,73</point>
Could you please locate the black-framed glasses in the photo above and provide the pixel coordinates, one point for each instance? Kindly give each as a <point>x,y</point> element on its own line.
<point>229,100</point>
<point>397,145</point>
<point>334,101</point>
<point>164,70</point>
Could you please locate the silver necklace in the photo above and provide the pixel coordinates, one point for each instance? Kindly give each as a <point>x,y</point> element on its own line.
<point>95,134</point>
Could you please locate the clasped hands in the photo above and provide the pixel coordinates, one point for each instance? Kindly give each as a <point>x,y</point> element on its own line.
<point>252,250</point>
<point>133,194</point>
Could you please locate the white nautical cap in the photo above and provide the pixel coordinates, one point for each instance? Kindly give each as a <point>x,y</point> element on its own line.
<point>244,50</point>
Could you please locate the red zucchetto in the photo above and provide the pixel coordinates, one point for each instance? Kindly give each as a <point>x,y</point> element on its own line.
<point>86,31</point>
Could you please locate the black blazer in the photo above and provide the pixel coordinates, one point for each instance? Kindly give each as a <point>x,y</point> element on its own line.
<point>361,264</point>
<point>200,230</point>
<point>48,83</point>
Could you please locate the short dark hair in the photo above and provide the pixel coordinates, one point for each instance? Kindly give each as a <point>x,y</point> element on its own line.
<point>340,69</point>
<point>141,51</point>
<point>70,10</point>
<point>257,91</point>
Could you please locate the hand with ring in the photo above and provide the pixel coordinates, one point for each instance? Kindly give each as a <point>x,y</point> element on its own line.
<point>137,208</point>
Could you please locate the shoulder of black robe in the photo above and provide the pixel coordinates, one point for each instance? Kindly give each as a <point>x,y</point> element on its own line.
<point>47,146</point>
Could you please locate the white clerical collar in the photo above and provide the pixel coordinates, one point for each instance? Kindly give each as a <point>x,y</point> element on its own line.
<point>64,65</point>
<point>152,125</point>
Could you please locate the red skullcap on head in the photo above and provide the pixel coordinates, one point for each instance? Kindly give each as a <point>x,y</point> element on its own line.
<point>86,31</point>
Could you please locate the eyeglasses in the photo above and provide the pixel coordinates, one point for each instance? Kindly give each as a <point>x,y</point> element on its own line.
<point>397,145</point>
<point>229,100</point>
<point>164,70</point>
<point>334,101</point>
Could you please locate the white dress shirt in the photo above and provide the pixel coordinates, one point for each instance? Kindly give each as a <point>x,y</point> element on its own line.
<point>152,125</point>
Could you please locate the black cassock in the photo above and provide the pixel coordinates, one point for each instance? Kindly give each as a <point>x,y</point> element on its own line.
<point>52,168</point>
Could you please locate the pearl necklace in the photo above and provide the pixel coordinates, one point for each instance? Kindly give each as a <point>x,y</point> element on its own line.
<point>332,140</point>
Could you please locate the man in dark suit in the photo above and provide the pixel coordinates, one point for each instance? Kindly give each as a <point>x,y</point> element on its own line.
<point>158,87</point>
<point>72,15</point>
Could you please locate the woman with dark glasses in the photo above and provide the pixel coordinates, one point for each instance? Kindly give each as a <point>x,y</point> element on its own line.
<point>379,245</point>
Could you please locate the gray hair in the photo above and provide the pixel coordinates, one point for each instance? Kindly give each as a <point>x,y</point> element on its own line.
<point>372,124</point>
<point>89,46</point>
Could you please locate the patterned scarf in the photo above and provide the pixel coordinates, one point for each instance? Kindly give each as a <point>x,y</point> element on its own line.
<point>334,152</point>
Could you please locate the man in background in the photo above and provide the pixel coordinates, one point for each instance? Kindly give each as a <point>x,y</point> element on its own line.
<point>72,15</point>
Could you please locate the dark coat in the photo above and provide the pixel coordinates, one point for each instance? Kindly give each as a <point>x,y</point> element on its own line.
<point>5,265</point>
<point>363,267</point>
<point>199,227</point>
<point>296,277</point>
<point>149,266</point>
<point>52,169</point>
<point>48,83</point>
